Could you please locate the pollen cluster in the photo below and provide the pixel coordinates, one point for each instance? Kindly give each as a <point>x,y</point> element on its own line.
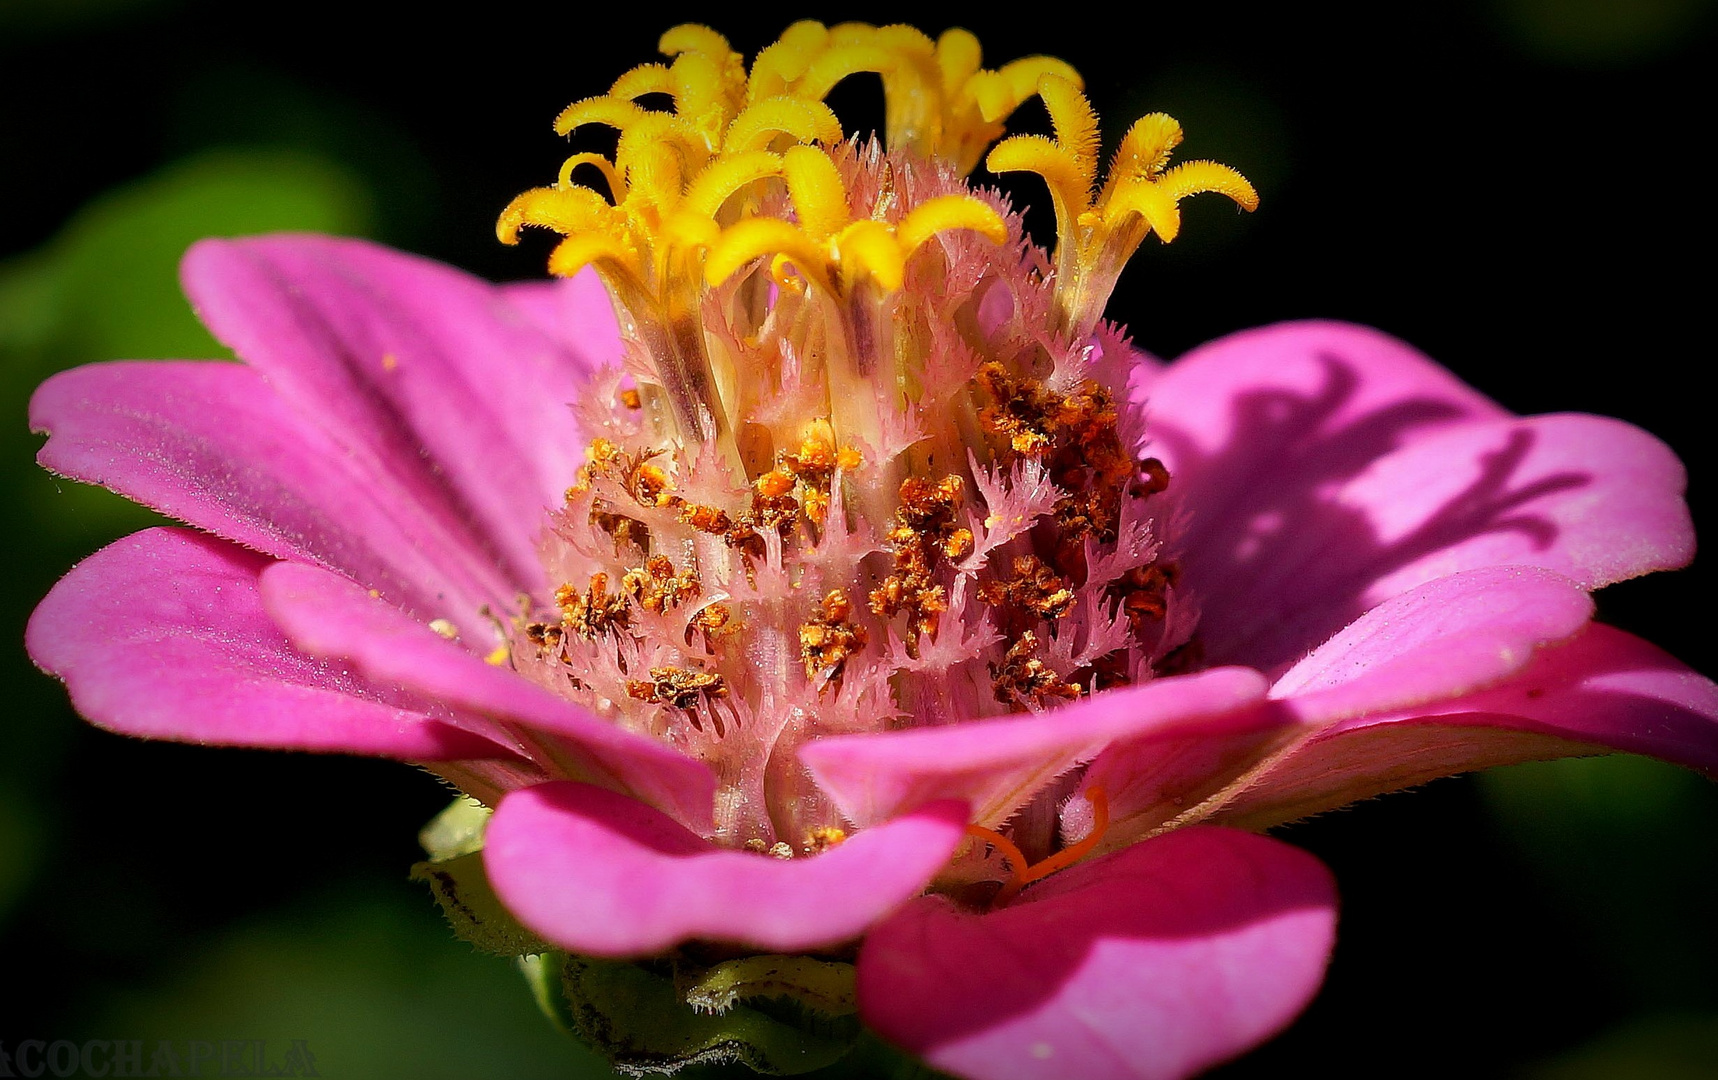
<point>870,461</point>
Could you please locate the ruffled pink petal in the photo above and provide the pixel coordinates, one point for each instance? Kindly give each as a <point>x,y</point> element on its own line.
<point>430,374</point>
<point>575,311</point>
<point>326,615</point>
<point>997,765</point>
<point>162,635</point>
<point>604,875</point>
<point>1605,690</point>
<point>213,445</point>
<point>1446,638</point>
<point>1150,964</point>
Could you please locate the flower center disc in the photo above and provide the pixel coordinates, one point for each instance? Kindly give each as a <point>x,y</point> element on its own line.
<point>869,460</point>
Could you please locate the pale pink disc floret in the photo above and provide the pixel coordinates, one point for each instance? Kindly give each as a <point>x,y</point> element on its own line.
<point>1391,572</point>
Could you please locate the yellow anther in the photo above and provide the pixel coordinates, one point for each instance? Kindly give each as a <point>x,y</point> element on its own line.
<point>725,177</point>
<point>641,80</point>
<point>616,189</point>
<point>819,196</point>
<point>1070,190</point>
<point>685,230</point>
<point>868,249</point>
<point>562,209</point>
<point>757,237</point>
<point>783,272</point>
<point>1000,92</point>
<point>959,56</point>
<point>1194,177</point>
<point>1075,122</point>
<point>946,213</point>
<point>802,120</point>
<point>1146,147</point>
<point>841,61</point>
<point>783,63</point>
<point>701,96</point>
<point>612,112</point>
<point>579,251</point>
<point>692,37</point>
<point>1150,202</point>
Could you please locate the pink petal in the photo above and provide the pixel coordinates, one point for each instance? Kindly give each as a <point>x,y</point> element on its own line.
<point>1446,638</point>
<point>1441,639</point>
<point>1597,500</point>
<point>1327,467</point>
<point>1605,690</point>
<point>162,635</point>
<point>428,373</point>
<point>575,311</point>
<point>997,765</point>
<point>1594,499</point>
<point>604,875</point>
<point>325,615</point>
<point>1153,963</point>
<point>213,445</point>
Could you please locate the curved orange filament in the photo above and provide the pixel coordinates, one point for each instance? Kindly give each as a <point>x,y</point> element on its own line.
<point>1009,849</point>
<point>1025,875</point>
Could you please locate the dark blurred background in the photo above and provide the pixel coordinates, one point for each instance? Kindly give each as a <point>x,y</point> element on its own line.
<point>1508,184</point>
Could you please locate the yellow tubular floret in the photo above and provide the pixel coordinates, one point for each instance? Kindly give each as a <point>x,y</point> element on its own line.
<point>946,213</point>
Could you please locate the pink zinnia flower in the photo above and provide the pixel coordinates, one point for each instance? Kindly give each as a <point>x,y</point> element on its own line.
<point>862,594</point>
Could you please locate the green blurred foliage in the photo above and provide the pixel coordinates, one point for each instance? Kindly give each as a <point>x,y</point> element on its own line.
<point>107,288</point>
<point>371,980</point>
<point>1655,1048</point>
<point>107,285</point>
<point>1602,33</point>
<point>1626,846</point>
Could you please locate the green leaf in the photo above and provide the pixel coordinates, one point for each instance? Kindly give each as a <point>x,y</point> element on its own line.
<point>454,872</point>
<point>823,986</point>
<point>636,1015</point>
<point>456,831</point>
